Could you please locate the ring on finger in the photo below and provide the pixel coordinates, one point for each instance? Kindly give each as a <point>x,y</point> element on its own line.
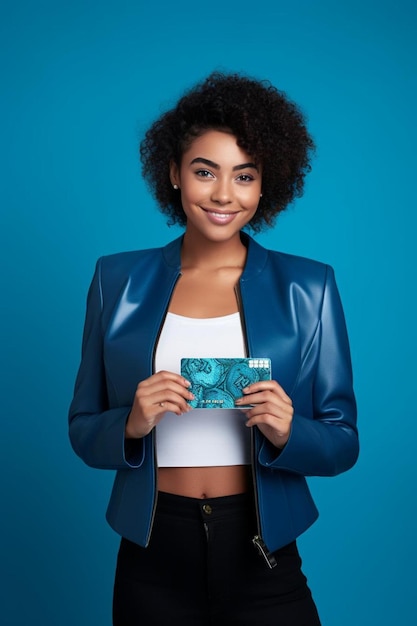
<point>161,404</point>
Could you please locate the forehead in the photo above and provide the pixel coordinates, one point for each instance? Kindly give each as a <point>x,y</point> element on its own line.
<point>218,146</point>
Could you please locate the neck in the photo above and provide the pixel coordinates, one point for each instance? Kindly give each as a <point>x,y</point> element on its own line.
<point>212,255</point>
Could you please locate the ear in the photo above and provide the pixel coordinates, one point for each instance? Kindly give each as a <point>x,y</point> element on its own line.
<point>174,174</point>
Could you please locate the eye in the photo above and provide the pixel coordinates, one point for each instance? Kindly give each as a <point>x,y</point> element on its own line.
<point>203,173</point>
<point>245,178</point>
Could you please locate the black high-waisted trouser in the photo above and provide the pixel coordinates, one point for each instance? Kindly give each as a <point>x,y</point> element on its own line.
<point>201,569</point>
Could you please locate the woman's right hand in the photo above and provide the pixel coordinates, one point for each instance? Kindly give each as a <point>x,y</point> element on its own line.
<point>161,392</point>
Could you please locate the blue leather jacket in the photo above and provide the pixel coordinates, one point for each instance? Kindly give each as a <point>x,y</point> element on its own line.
<point>291,312</point>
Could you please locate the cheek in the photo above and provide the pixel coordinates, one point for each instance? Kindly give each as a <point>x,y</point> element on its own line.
<point>251,200</point>
<point>191,191</point>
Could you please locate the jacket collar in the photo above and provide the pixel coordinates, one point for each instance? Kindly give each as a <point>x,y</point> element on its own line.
<point>255,261</point>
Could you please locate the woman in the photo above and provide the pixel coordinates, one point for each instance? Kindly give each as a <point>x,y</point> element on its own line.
<point>209,502</point>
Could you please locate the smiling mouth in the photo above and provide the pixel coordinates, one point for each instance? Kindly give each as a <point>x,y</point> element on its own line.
<point>220,215</point>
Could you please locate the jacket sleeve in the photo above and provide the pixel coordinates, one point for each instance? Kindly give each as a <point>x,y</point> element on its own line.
<point>326,444</point>
<point>97,431</point>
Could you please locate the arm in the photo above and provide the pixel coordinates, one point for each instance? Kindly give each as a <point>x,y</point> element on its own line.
<point>97,432</point>
<point>325,444</point>
<point>116,437</point>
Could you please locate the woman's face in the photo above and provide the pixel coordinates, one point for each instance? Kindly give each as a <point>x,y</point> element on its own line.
<point>220,186</point>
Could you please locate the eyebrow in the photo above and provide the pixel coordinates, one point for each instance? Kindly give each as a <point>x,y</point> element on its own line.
<point>216,166</point>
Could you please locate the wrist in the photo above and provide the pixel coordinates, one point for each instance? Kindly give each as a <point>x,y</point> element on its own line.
<point>130,433</point>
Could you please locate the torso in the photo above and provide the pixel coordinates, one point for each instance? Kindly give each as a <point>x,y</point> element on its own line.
<point>205,482</point>
<point>202,294</point>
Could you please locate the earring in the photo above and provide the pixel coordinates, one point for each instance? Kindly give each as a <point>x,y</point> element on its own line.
<point>260,195</point>
<point>175,186</point>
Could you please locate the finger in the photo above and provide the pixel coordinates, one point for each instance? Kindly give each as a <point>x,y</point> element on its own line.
<point>173,407</point>
<point>284,413</point>
<point>158,404</point>
<point>164,375</point>
<point>261,397</point>
<point>267,385</point>
<point>167,396</point>
<point>163,386</point>
<point>266,420</point>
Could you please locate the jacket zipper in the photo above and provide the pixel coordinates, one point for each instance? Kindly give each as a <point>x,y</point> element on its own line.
<point>257,540</point>
<point>155,495</point>
<point>155,460</point>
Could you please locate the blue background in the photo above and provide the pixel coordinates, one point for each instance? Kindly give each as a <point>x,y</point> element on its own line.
<point>80,82</point>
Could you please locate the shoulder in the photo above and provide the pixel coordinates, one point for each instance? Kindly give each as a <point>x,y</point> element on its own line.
<point>125,263</point>
<point>288,268</point>
<point>306,279</point>
<point>114,271</point>
<point>308,282</point>
<point>140,260</point>
<point>128,259</point>
<point>298,265</point>
<point>137,267</point>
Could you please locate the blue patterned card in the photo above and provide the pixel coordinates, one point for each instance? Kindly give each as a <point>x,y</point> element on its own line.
<point>217,383</point>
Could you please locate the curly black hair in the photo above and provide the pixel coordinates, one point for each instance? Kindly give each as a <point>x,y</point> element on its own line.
<point>267,125</point>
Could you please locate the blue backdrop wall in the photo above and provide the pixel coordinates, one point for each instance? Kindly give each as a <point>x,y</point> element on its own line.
<point>80,82</point>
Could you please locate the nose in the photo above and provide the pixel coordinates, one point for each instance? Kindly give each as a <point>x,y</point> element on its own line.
<point>222,192</point>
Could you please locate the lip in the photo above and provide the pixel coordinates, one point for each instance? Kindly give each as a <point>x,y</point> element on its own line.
<point>220,217</point>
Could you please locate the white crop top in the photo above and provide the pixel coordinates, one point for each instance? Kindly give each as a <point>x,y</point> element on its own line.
<point>201,437</point>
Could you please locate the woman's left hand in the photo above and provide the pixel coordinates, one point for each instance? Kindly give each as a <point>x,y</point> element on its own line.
<point>272,412</point>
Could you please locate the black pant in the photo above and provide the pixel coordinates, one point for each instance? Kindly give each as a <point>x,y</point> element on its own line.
<point>201,569</point>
